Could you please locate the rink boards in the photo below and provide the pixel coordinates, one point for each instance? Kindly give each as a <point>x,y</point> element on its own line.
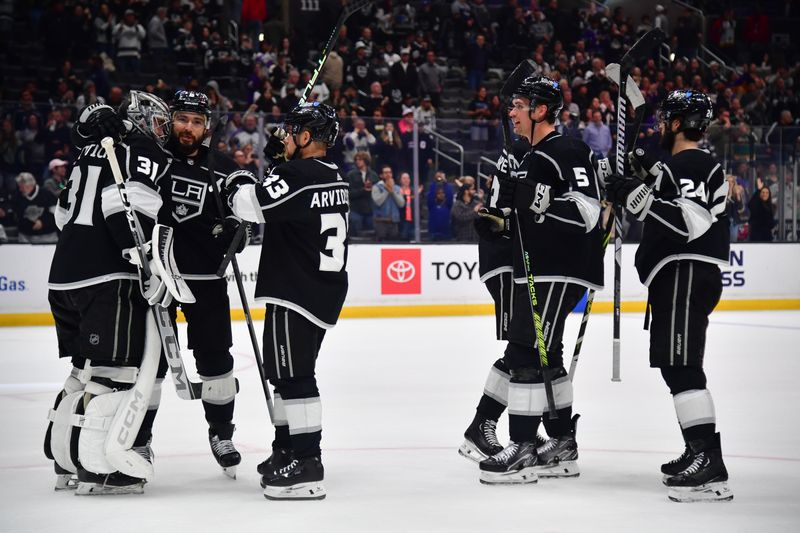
<point>430,280</point>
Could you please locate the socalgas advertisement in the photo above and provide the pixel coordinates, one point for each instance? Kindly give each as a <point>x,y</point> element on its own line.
<point>408,280</point>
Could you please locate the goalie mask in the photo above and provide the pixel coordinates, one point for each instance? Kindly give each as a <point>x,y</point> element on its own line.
<point>148,113</point>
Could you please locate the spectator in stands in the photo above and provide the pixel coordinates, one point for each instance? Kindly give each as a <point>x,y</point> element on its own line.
<point>403,74</point>
<point>333,71</point>
<point>128,37</point>
<point>88,96</point>
<point>736,207</point>
<point>10,154</point>
<point>597,135</point>
<point>661,20</point>
<point>104,24</point>
<point>389,145</point>
<point>360,181</point>
<point>568,125</point>
<point>426,113</point>
<point>431,78</point>
<point>30,139</point>
<point>387,201</point>
<point>477,61</point>
<point>720,133</point>
<point>440,203</point>
<point>216,101</point>
<point>480,114</point>
<point>360,71</point>
<point>375,99</point>
<point>360,139</point>
<point>463,214</point>
<point>407,212</point>
<point>35,209</point>
<point>58,177</point>
<point>762,216</point>
<point>157,42</point>
<point>291,99</point>
<point>24,109</point>
<point>248,134</point>
<point>266,99</point>
<point>186,48</point>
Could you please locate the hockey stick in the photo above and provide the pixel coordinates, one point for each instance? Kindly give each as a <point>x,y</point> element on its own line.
<point>186,389</point>
<point>635,97</point>
<point>348,9</point>
<point>640,49</point>
<point>237,275</point>
<point>523,70</point>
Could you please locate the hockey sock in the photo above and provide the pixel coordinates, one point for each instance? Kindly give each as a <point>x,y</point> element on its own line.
<point>303,409</point>
<point>693,402</point>
<point>526,402</point>
<point>282,439</point>
<point>495,392</point>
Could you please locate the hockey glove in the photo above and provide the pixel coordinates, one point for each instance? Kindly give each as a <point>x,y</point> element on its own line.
<point>631,193</point>
<point>99,121</point>
<point>508,188</point>
<point>236,180</point>
<point>224,231</point>
<point>275,150</point>
<point>493,224</point>
<point>533,196</point>
<point>645,166</point>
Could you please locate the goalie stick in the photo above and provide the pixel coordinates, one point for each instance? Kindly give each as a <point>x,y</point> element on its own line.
<point>186,389</point>
<point>523,70</point>
<point>348,9</point>
<point>640,49</point>
<point>237,275</point>
<point>635,97</point>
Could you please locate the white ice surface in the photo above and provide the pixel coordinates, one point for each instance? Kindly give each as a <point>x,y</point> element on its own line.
<point>397,395</point>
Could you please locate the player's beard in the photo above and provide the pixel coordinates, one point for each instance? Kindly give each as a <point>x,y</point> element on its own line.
<point>181,146</point>
<point>667,141</point>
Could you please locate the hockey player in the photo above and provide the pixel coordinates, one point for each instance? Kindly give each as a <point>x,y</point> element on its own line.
<point>94,295</point>
<point>684,242</point>
<point>302,280</point>
<point>495,266</point>
<point>556,197</point>
<point>202,236</point>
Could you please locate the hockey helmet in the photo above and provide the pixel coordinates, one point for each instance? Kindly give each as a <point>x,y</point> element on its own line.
<point>319,119</point>
<point>191,102</point>
<point>693,108</point>
<point>540,90</point>
<point>148,113</point>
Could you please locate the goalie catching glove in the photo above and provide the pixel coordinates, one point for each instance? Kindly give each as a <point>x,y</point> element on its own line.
<point>165,281</point>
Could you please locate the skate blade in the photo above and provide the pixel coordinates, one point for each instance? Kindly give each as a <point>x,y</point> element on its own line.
<point>229,471</point>
<point>302,491</point>
<point>526,476</point>
<point>471,452</point>
<point>66,482</point>
<point>710,492</point>
<point>562,469</point>
<point>94,489</point>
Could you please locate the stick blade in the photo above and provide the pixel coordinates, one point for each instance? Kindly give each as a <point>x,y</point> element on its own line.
<point>632,91</point>
<point>522,71</point>
<point>642,48</point>
<point>356,5</point>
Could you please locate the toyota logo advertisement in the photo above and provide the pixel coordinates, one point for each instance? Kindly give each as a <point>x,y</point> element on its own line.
<point>401,271</point>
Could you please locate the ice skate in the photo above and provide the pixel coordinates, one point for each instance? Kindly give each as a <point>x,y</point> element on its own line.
<point>512,466</point>
<point>299,480</point>
<point>223,449</point>
<point>677,465</point>
<point>558,457</point>
<point>65,480</point>
<point>91,484</point>
<point>280,458</point>
<point>705,479</point>
<point>480,440</point>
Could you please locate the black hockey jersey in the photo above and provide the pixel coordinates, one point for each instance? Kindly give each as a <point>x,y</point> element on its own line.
<point>94,230</point>
<point>304,204</point>
<point>495,257</point>
<point>192,211</point>
<point>565,245</point>
<point>687,218</point>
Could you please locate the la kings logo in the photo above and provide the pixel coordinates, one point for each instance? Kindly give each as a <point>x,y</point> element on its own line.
<point>188,197</point>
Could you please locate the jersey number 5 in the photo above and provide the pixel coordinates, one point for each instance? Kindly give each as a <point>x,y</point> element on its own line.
<point>335,242</point>
<point>580,176</point>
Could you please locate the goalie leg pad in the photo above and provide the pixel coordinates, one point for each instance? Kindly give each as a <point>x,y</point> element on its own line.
<point>72,385</point>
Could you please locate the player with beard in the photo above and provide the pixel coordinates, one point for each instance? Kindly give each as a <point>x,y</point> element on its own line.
<point>202,236</point>
<point>684,242</point>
